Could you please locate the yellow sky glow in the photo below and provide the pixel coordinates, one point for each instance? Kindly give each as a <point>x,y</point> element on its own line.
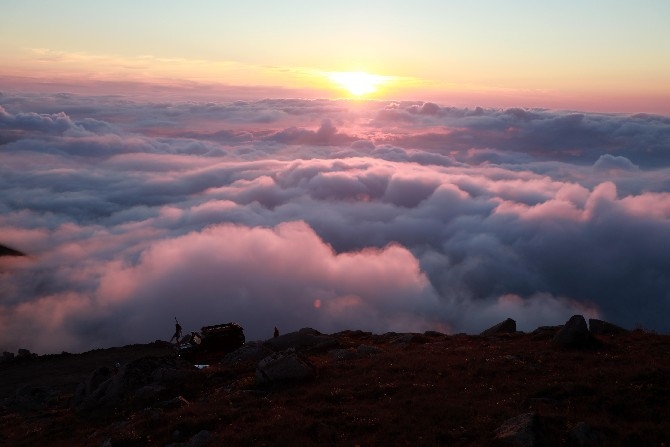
<point>358,83</point>
<point>457,53</point>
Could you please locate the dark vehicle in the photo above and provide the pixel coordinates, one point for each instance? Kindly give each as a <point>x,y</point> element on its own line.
<point>211,341</point>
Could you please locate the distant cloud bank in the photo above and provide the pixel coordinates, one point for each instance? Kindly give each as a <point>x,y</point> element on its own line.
<point>338,215</point>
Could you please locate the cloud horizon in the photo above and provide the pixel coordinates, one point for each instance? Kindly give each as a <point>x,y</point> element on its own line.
<point>374,215</point>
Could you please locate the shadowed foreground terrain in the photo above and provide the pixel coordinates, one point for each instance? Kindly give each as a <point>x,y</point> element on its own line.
<point>349,388</point>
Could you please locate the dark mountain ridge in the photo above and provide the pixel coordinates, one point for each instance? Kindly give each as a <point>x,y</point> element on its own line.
<point>603,387</point>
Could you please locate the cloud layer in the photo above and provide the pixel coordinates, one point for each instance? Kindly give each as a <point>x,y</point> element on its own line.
<point>332,214</point>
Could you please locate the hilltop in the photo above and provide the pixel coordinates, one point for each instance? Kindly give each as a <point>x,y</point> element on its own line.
<point>350,388</point>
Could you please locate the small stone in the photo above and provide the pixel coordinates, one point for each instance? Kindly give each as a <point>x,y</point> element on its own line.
<point>176,402</point>
<point>520,431</point>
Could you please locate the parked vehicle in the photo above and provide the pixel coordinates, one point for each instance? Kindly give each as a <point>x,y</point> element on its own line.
<point>211,341</point>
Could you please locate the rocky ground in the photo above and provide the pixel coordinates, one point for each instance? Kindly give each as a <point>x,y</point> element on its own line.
<point>555,386</point>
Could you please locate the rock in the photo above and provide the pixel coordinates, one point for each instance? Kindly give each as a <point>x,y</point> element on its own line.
<point>366,350</point>
<point>33,398</point>
<point>582,435</point>
<point>139,376</point>
<point>520,431</point>
<point>8,251</point>
<point>403,338</point>
<point>343,354</point>
<point>504,327</point>
<point>148,391</point>
<point>303,340</point>
<point>574,333</point>
<point>201,439</point>
<point>88,387</point>
<point>176,402</point>
<point>433,334</point>
<point>545,332</point>
<point>600,327</point>
<point>283,366</point>
<point>253,351</point>
<point>361,351</point>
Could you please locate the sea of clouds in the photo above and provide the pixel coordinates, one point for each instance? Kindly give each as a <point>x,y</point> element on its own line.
<point>335,215</point>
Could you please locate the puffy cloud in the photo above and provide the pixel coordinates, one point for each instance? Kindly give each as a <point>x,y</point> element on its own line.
<point>332,214</point>
<point>325,135</point>
<point>606,162</point>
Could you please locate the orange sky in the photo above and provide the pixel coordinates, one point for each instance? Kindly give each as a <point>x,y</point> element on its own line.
<point>611,56</point>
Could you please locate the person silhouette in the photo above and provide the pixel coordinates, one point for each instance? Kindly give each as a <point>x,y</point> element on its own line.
<point>177,331</point>
<point>276,332</point>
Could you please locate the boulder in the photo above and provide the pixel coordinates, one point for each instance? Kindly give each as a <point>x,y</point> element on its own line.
<point>201,439</point>
<point>176,402</point>
<point>250,352</point>
<point>600,327</point>
<point>574,333</point>
<point>283,366</point>
<point>545,332</point>
<point>141,375</point>
<point>91,384</point>
<point>343,354</point>
<point>583,435</point>
<point>520,431</point>
<point>405,338</point>
<point>367,350</point>
<point>361,351</point>
<point>33,398</point>
<point>306,339</point>
<point>433,334</point>
<point>504,327</point>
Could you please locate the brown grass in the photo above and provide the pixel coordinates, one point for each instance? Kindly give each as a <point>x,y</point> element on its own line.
<point>443,390</point>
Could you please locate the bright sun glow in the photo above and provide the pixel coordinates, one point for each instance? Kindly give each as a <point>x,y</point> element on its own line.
<point>358,83</point>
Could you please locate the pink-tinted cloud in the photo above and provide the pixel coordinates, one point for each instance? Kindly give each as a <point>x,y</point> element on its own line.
<point>333,214</point>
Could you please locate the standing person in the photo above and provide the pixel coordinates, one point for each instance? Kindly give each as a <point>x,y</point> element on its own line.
<point>276,332</point>
<point>177,331</point>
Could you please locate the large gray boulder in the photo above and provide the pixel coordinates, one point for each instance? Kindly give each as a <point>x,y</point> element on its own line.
<point>545,332</point>
<point>250,352</point>
<point>91,384</point>
<point>504,327</point>
<point>600,327</point>
<point>574,333</point>
<point>141,376</point>
<point>283,366</point>
<point>306,339</point>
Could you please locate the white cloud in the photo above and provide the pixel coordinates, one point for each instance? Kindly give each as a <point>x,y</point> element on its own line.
<point>398,217</point>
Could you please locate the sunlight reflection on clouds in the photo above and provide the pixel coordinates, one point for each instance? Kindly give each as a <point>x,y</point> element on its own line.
<point>391,216</point>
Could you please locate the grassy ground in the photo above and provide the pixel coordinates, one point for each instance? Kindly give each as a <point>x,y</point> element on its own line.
<point>435,390</point>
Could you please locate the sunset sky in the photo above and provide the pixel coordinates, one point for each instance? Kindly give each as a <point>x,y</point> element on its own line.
<point>378,165</point>
<point>593,55</point>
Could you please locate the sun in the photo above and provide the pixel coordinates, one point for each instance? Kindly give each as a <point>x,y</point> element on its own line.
<point>357,83</point>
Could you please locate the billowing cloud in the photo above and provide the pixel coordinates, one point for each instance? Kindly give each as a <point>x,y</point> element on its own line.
<point>332,214</point>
